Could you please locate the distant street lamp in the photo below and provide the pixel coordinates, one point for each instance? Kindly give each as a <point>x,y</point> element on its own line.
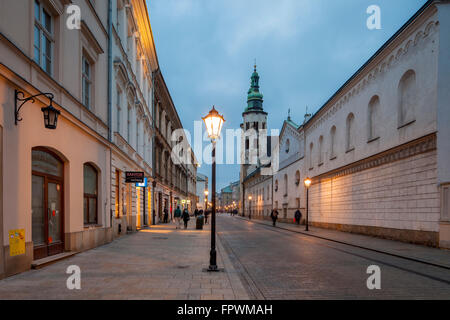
<point>250,207</point>
<point>307,185</point>
<point>213,122</point>
<point>206,200</point>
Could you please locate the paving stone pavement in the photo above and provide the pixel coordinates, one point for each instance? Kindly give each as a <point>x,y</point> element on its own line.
<point>411,251</point>
<point>156,263</point>
<point>277,264</point>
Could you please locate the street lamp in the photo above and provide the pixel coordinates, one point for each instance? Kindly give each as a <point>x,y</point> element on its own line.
<point>206,200</point>
<point>213,122</point>
<point>307,185</point>
<point>250,207</point>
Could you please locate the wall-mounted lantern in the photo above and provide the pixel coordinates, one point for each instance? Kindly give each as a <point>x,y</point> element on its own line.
<point>50,113</point>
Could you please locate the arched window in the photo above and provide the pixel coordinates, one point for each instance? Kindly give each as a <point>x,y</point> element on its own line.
<point>332,142</point>
<point>407,98</point>
<point>90,194</point>
<point>297,178</point>
<point>320,150</point>
<point>372,118</point>
<point>287,145</point>
<point>276,185</point>
<point>350,136</point>
<point>285,185</point>
<point>311,147</point>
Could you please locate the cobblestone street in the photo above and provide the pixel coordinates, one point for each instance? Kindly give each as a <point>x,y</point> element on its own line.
<point>260,262</point>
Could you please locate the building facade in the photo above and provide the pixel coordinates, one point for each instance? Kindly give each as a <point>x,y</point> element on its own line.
<point>57,197</point>
<point>66,187</point>
<point>375,150</point>
<point>134,63</point>
<point>201,186</point>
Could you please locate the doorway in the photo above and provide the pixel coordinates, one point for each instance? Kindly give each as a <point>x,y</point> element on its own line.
<point>47,203</point>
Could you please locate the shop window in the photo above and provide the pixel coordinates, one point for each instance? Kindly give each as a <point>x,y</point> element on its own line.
<point>90,195</point>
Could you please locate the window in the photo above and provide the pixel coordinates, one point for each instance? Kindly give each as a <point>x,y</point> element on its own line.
<point>43,38</point>
<point>287,145</point>
<point>320,150</point>
<point>407,98</point>
<point>87,82</point>
<point>276,185</point>
<point>372,117</point>
<point>350,137</point>
<point>332,142</point>
<point>297,178</point>
<point>285,185</point>
<point>311,148</point>
<point>118,110</point>
<point>129,124</point>
<point>117,202</point>
<point>138,133</point>
<point>90,194</point>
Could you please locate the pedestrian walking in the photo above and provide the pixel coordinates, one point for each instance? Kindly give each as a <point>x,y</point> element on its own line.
<point>177,216</point>
<point>298,216</point>
<point>186,217</point>
<point>206,216</point>
<point>166,215</point>
<point>196,212</point>
<point>274,216</point>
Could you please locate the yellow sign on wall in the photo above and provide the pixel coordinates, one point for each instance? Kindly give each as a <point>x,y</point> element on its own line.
<point>16,242</point>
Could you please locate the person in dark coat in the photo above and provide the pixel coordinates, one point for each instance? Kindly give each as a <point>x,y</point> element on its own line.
<point>177,216</point>
<point>206,216</point>
<point>298,216</point>
<point>166,215</point>
<point>196,212</point>
<point>274,216</point>
<point>186,217</point>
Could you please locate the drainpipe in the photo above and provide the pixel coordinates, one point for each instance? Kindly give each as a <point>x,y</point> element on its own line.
<point>153,146</point>
<point>110,104</point>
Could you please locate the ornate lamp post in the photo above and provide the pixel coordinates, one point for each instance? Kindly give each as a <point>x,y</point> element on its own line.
<point>213,122</point>
<point>250,207</point>
<point>307,185</point>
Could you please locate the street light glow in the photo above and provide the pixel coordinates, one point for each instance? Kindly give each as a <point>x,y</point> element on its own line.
<point>308,182</point>
<point>213,122</point>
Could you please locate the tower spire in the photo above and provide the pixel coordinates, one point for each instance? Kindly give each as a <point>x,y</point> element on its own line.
<point>254,98</point>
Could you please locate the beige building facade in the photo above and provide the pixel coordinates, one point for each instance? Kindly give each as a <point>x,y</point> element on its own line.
<point>66,190</point>
<point>58,193</point>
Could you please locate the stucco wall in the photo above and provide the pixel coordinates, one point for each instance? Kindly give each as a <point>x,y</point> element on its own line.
<point>416,49</point>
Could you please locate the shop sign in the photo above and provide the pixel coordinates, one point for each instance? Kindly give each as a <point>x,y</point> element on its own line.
<point>143,184</point>
<point>134,177</point>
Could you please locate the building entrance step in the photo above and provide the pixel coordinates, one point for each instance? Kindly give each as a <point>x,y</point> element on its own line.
<point>37,264</point>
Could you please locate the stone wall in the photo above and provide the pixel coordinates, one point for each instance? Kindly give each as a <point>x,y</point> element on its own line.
<point>398,196</point>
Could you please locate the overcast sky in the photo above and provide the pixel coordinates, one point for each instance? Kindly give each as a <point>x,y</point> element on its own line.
<point>305,50</point>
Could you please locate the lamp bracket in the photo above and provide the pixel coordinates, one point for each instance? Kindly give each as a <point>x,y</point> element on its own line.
<point>22,100</point>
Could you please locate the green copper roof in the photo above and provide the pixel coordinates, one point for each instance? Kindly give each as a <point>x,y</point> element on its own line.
<point>254,98</point>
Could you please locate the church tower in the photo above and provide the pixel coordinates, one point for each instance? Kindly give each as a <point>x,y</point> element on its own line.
<point>254,120</point>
